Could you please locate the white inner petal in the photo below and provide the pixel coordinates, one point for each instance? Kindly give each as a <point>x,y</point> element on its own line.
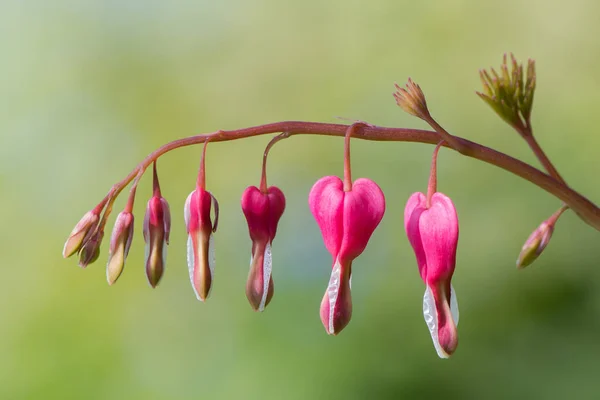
<point>164,256</point>
<point>333,289</point>
<point>266,273</point>
<point>186,210</point>
<point>211,255</point>
<point>454,305</point>
<point>146,252</point>
<point>430,314</point>
<point>190,262</point>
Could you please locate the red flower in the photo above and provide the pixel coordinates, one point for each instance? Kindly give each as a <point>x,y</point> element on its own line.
<point>157,226</point>
<point>262,211</point>
<point>200,245</point>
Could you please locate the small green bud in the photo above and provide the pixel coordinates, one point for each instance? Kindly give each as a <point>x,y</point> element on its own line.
<point>535,244</point>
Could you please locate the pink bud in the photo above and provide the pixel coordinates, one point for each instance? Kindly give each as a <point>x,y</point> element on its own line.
<point>157,225</point>
<point>262,211</point>
<point>120,242</point>
<point>91,249</point>
<point>81,233</point>
<point>346,220</point>
<point>535,244</point>
<point>433,234</point>
<point>200,245</point>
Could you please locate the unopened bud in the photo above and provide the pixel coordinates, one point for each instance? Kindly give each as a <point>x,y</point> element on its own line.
<point>120,242</point>
<point>157,225</point>
<point>535,244</point>
<point>90,249</point>
<point>412,100</point>
<point>81,233</point>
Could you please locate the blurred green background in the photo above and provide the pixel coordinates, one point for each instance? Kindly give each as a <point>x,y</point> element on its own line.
<point>89,88</point>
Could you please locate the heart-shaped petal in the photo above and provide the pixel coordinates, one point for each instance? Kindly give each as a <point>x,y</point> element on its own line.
<point>364,207</point>
<point>433,234</point>
<point>263,211</point>
<point>326,201</point>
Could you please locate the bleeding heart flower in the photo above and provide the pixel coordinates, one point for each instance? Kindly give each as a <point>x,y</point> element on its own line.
<point>157,226</point>
<point>200,245</point>
<point>433,233</point>
<point>262,211</point>
<point>346,219</point>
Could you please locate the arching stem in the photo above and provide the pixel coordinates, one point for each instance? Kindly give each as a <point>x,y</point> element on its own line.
<point>202,172</point>
<point>586,210</point>
<point>263,177</point>
<point>347,166</point>
<point>432,184</point>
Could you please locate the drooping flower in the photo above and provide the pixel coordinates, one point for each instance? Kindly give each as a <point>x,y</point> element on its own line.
<point>432,230</point>
<point>120,242</point>
<point>346,219</point>
<point>262,212</point>
<point>157,226</point>
<point>200,229</point>
<point>200,244</point>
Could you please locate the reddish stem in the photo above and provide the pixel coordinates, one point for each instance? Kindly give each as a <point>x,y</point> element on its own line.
<point>586,210</point>
<point>543,158</point>
<point>130,200</point>
<point>347,166</point>
<point>98,209</point>
<point>454,142</point>
<point>155,183</point>
<point>263,177</point>
<point>554,217</point>
<point>432,184</point>
<point>201,183</point>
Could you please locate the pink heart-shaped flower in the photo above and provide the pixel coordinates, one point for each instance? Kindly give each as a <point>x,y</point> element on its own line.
<point>347,221</point>
<point>433,233</point>
<point>262,211</point>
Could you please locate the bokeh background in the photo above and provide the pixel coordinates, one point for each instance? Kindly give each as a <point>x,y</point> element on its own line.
<point>88,88</point>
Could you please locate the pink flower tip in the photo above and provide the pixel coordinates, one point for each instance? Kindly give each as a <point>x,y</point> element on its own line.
<point>347,221</point>
<point>433,234</point>
<point>262,212</point>
<point>157,226</point>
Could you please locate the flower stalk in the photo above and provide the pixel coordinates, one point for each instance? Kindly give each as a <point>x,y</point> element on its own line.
<point>347,213</point>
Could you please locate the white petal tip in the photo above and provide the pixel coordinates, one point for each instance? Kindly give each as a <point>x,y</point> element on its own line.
<point>430,315</point>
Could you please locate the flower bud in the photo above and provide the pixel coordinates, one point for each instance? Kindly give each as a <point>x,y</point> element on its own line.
<point>91,249</point>
<point>81,233</point>
<point>347,221</point>
<point>433,234</point>
<point>120,242</point>
<point>262,212</point>
<point>157,225</point>
<point>200,244</point>
<point>535,244</point>
<point>412,100</point>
